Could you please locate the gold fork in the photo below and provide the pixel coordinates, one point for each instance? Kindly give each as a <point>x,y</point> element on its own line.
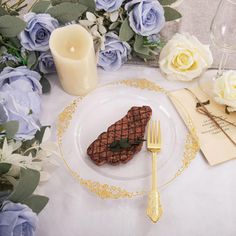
<point>154,210</point>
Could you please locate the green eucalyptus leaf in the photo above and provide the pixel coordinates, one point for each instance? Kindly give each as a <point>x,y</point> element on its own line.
<point>171,14</point>
<point>3,49</point>
<point>66,12</point>
<point>46,86</point>
<point>138,46</point>
<point>167,2</point>
<point>31,60</point>
<point>28,182</point>
<point>56,2</point>
<point>10,128</point>
<point>90,4</point>
<point>4,168</point>
<point>144,57</point>
<point>36,203</point>
<point>41,6</point>
<point>126,33</point>
<point>3,12</point>
<point>15,42</point>
<point>11,26</point>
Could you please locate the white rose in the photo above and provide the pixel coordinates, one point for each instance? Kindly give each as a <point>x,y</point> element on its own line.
<point>225,90</point>
<point>184,58</point>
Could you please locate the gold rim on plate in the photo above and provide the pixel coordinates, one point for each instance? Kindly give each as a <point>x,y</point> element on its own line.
<point>106,191</point>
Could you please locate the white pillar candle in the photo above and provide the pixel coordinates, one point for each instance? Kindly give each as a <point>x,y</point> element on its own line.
<point>74,56</point>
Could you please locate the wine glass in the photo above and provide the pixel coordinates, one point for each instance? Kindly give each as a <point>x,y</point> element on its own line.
<point>223,31</point>
<point>223,36</point>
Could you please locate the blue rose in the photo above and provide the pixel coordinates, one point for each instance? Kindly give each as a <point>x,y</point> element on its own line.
<point>27,79</point>
<point>108,5</point>
<point>146,17</point>
<point>20,100</point>
<point>23,107</point>
<point>115,53</point>
<point>3,114</point>
<point>17,220</point>
<point>46,63</point>
<point>35,37</point>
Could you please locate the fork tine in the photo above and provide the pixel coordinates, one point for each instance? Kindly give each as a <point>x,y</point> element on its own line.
<point>149,133</point>
<point>159,133</point>
<point>156,132</point>
<point>153,131</point>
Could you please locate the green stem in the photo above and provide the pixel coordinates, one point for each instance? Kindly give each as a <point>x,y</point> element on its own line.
<point>9,46</point>
<point>16,51</point>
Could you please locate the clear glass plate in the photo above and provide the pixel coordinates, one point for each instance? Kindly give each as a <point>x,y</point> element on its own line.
<point>103,107</point>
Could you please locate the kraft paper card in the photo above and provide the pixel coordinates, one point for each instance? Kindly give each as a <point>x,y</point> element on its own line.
<point>215,146</point>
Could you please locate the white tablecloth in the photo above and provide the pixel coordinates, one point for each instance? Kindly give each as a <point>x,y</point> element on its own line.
<point>201,202</point>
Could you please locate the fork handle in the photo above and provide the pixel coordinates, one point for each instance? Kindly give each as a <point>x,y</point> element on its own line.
<point>154,209</point>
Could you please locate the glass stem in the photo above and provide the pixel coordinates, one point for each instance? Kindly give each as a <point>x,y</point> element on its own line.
<point>222,64</point>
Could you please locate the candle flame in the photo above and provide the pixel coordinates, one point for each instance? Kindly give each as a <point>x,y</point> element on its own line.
<point>72,49</point>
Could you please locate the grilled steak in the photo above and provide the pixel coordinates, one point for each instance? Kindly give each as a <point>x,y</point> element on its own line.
<point>131,127</point>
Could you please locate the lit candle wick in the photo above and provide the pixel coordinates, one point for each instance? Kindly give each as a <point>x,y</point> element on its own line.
<point>72,49</point>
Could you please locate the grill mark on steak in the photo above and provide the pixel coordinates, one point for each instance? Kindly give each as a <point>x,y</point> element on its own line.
<point>132,127</point>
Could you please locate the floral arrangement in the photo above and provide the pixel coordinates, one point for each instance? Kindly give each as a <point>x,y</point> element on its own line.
<point>121,29</point>
<point>24,151</point>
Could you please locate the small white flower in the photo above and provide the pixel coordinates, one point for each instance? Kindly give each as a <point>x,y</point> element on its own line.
<point>86,23</point>
<point>91,17</point>
<point>225,90</point>
<point>102,29</point>
<point>95,26</point>
<point>94,30</point>
<point>114,16</point>
<point>100,20</point>
<point>40,162</point>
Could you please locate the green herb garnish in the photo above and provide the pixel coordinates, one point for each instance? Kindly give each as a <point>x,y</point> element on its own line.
<point>123,144</point>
